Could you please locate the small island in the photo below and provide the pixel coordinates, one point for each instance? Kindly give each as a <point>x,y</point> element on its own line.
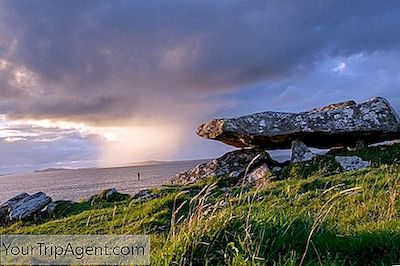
<point>51,170</point>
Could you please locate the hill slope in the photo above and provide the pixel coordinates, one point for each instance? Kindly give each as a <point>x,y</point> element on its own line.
<point>310,216</point>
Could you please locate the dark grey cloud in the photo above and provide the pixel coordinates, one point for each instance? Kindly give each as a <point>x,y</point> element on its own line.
<point>99,61</point>
<point>359,78</point>
<point>159,68</point>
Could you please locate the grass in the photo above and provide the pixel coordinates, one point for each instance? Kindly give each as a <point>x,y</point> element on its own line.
<point>312,215</point>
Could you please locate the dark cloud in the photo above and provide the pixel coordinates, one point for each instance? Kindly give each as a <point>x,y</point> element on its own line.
<point>156,69</point>
<point>101,60</point>
<point>361,76</point>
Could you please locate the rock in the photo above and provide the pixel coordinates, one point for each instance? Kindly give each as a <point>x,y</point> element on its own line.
<point>386,143</point>
<point>256,177</point>
<point>110,192</point>
<point>300,152</point>
<point>349,163</point>
<point>64,202</point>
<point>337,150</point>
<point>8,205</point>
<point>13,201</point>
<point>233,163</point>
<point>109,195</point>
<point>146,194</point>
<point>334,106</point>
<point>49,208</point>
<point>28,206</point>
<point>276,170</point>
<point>342,124</point>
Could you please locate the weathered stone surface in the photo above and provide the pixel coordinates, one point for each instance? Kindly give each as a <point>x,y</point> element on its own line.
<point>300,152</point>
<point>257,176</point>
<point>342,124</point>
<point>233,163</point>
<point>349,163</point>
<point>29,206</point>
<point>110,195</point>
<point>110,192</point>
<point>13,201</point>
<point>276,170</point>
<point>334,106</point>
<point>386,143</point>
<point>23,206</point>
<point>146,194</point>
<point>8,205</point>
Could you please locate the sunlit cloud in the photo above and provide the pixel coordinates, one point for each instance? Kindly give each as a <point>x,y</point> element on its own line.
<point>111,136</point>
<point>14,139</point>
<point>115,145</point>
<point>340,68</point>
<point>96,83</point>
<point>3,64</point>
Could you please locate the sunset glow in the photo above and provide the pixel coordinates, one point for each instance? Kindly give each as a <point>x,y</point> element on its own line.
<point>101,83</point>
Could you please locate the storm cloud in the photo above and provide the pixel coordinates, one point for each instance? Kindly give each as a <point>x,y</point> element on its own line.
<point>100,60</point>
<point>127,63</point>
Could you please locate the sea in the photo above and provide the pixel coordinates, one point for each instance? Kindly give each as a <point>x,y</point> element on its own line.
<point>80,184</point>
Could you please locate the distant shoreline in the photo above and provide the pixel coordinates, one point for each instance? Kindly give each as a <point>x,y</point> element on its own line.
<point>51,170</point>
<point>5,174</point>
<point>75,184</point>
<point>145,163</point>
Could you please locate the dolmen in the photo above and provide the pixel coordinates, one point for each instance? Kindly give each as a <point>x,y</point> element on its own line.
<point>346,124</point>
<point>343,124</point>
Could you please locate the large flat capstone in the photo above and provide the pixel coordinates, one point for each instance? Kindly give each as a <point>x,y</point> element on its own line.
<point>343,124</point>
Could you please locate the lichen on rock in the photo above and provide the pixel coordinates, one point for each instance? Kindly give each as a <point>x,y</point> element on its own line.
<point>349,163</point>
<point>334,125</point>
<point>348,125</point>
<point>300,152</point>
<point>233,163</point>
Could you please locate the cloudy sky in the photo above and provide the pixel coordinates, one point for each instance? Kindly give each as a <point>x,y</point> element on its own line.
<point>100,83</point>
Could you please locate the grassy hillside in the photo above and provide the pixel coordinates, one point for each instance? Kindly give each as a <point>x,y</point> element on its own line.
<point>311,215</point>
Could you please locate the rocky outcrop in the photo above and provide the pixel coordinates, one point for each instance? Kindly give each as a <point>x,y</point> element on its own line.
<point>29,206</point>
<point>349,163</point>
<point>347,125</point>
<point>300,152</point>
<point>257,176</point>
<point>234,164</point>
<point>23,206</point>
<point>334,106</point>
<point>13,201</point>
<point>386,143</point>
<point>9,205</point>
<point>343,124</point>
<point>110,195</point>
<point>145,194</point>
<point>110,192</point>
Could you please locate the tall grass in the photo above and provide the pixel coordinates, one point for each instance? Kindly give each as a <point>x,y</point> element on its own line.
<point>312,218</point>
<point>294,222</point>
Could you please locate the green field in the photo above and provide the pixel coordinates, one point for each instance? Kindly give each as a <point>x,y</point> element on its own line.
<point>310,215</point>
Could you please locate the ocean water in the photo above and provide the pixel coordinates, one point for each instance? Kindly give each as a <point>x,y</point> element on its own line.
<point>83,183</point>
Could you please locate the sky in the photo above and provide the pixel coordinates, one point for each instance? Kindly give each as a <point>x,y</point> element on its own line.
<point>107,83</point>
